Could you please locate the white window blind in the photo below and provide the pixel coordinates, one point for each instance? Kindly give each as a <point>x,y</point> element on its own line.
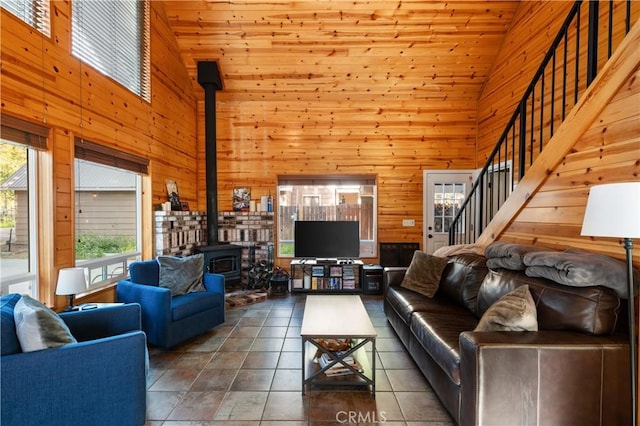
<point>33,12</point>
<point>113,37</point>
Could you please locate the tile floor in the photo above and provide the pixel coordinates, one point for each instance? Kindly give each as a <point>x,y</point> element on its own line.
<point>247,371</point>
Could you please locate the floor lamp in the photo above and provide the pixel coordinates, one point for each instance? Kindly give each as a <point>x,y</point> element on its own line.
<point>613,210</point>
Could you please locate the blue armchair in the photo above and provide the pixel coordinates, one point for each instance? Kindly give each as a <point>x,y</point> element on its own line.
<point>169,320</point>
<point>100,380</point>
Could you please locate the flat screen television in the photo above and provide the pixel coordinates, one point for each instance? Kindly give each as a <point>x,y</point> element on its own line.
<point>327,239</point>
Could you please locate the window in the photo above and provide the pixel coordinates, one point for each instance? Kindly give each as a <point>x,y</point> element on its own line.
<point>448,198</point>
<point>327,198</point>
<point>113,37</point>
<point>19,142</point>
<point>33,12</point>
<point>108,200</point>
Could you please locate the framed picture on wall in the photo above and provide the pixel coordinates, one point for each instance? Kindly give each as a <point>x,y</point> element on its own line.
<point>241,198</point>
<point>172,195</point>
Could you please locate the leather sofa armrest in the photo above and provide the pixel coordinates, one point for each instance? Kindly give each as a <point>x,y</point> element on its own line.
<point>392,276</point>
<point>544,377</point>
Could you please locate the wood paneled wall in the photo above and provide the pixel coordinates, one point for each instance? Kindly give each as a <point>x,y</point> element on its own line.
<point>380,87</point>
<point>42,82</point>
<point>382,114</point>
<point>607,152</point>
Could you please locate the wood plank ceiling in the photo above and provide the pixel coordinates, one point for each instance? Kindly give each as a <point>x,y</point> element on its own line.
<point>356,52</point>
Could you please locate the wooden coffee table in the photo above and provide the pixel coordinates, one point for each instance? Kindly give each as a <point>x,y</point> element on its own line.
<point>338,317</point>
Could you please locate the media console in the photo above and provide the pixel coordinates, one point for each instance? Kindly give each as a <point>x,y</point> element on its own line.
<point>310,275</point>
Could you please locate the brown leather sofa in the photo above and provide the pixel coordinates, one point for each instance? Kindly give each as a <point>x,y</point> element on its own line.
<point>573,371</point>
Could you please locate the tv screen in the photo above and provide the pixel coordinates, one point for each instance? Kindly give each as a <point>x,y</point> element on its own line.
<point>327,239</point>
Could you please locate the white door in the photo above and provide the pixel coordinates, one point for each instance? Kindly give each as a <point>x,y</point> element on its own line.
<point>444,192</point>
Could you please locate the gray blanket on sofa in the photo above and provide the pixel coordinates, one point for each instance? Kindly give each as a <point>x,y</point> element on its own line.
<point>508,255</point>
<point>580,269</point>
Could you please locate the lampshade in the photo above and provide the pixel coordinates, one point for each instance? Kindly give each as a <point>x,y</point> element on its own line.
<point>71,281</point>
<point>613,210</point>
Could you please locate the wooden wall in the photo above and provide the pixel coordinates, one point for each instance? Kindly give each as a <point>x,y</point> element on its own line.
<point>42,82</point>
<point>378,87</point>
<point>312,130</point>
<point>607,152</point>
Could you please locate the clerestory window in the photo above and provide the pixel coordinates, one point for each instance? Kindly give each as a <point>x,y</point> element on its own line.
<point>33,12</point>
<point>113,37</point>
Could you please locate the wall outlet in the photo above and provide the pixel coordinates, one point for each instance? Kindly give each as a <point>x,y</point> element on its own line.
<point>408,222</point>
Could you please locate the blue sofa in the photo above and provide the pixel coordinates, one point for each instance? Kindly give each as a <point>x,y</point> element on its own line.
<point>170,320</point>
<point>100,380</point>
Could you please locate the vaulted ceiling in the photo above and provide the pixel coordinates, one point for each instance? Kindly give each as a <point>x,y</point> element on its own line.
<point>344,51</point>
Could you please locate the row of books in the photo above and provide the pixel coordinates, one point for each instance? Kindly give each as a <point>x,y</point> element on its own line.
<point>338,369</point>
<point>348,277</point>
<point>329,283</point>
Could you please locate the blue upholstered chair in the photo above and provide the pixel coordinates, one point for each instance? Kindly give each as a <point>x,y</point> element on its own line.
<point>100,380</point>
<point>169,320</point>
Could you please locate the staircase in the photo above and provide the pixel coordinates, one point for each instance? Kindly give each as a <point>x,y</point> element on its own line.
<point>563,99</point>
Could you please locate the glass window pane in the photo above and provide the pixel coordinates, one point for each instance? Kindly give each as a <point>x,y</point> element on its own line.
<point>17,226</point>
<point>107,201</point>
<point>447,199</point>
<point>326,202</point>
<point>112,37</point>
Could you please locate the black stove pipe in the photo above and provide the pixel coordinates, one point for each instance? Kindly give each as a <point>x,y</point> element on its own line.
<point>209,79</point>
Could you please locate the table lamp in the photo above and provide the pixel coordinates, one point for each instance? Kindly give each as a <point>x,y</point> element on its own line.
<point>71,281</point>
<point>613,210</point>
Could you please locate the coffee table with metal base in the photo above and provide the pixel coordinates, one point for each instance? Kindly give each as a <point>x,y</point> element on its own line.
<point>338,317</point>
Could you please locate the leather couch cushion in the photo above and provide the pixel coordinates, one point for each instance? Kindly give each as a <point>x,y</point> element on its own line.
<point>405,302</point>
<point>592,310</point>
<point>192,303</point>
<point>439,332</point>
<point>461,279</point>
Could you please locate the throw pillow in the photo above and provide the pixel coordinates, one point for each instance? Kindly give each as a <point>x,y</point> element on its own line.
<point>423,274</point>
<point>515,311</point>
<point>38,327</point>
<point>181,275</point>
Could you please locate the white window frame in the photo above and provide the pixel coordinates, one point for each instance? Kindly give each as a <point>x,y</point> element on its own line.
<point>27,283</point>
<point>100,272</point>
<point>368,247</point>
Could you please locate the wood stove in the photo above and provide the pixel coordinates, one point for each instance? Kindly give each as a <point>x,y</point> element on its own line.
<point>224,259</point>
<point>219,258</point>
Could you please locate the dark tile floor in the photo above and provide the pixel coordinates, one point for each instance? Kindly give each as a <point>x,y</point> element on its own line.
<point>247,371</point>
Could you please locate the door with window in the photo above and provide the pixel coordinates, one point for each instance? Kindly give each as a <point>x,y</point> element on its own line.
<point>444,193</point>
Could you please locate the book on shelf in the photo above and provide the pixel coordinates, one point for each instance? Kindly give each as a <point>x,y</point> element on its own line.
<point>317,271</point>
<point>335,271</point>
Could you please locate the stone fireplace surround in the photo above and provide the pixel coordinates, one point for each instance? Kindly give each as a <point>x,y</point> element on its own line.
<point>181,233</point>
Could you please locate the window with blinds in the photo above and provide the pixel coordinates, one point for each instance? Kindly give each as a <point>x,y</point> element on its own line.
<point>108,211</point>
<point>19,142</point>
<point>113,37</point>
<point>33,12</point>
